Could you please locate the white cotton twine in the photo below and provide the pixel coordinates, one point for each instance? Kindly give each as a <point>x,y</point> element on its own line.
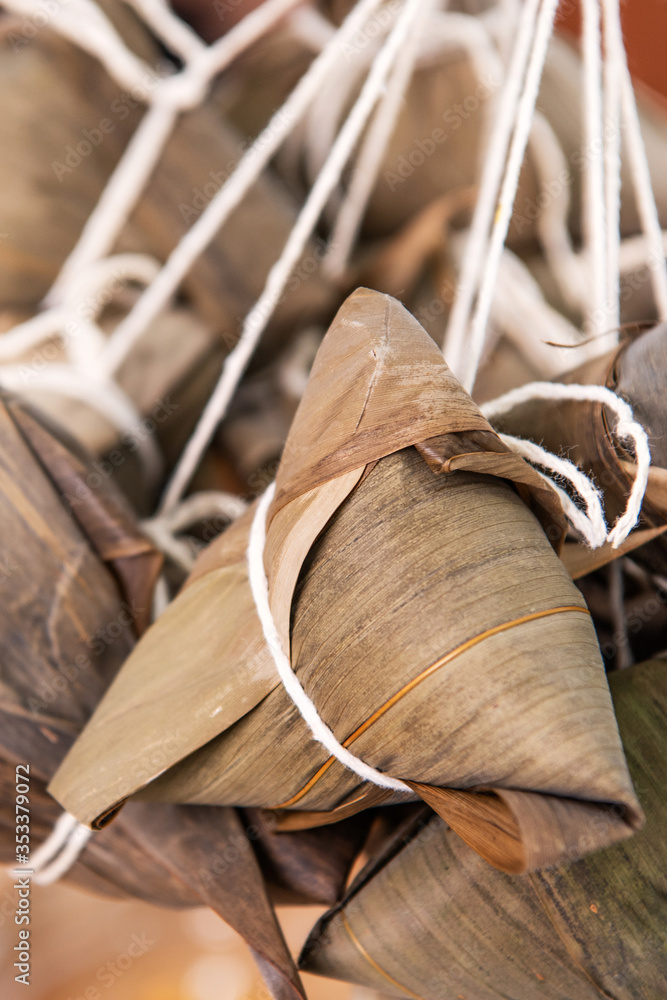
<point>260,592</point>
<point>591,524</point>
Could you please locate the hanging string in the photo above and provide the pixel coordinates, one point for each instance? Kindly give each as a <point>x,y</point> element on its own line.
<point>493,253</point>
<point>260,592</point>
<point>167,98</point>
<point>594,174</point>
<point>641,179</point>
<point>256,320</point>
<point>591,524</point>
<point>612,72</point>
<point>233,191</point>
<point>164,529</point>
<point>552,221</point>
<point>351,209</point>
<point>472,265</point>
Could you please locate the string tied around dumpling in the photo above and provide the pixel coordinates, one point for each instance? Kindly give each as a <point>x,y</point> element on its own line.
<point>589,522</point>
<point>260,591</point>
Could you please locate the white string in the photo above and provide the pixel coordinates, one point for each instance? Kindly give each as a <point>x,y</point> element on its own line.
<point>635,255</point>
<point>161,597</point>
<point>520,310</point>
<point>167,99</point>
<point>232,192</point>
<point>245,33</point>
<point>330,105</point>
<point>319,729</point>
<point>33,331</point>
<point>202,506</point>
<point>59,851</point>
<point>641,177</point>
<point>552,221</point>
<point>76,842</point>
<point>119,196</point>
<point>626,429</point>
<point>452,30</point>
<point>612,70</point>
<point>590,524</point>
<point>367,166</point>
<point>311,28</point>
<point>256,320</point>
<point>494,161</point>
<point>594,174</point>
<point>493,253</point>
<point>54,842</point>
<point>87,295</point>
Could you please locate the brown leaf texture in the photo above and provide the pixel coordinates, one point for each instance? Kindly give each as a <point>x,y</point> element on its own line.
<point>427,614</point>
<point>428,919</point>
<point>77,575</point>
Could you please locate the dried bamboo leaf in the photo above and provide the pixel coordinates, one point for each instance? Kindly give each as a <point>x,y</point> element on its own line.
<point>60,595</point>
<point>307,865</point>
<point>77,577</point>
<point>186,839</point>
<point>398,660</point>
<point>581,560</point>
<point>105,517</point>
<point>428,920</point>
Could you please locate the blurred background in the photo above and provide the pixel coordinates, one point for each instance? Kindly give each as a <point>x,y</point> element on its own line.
<point>86,948</point>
